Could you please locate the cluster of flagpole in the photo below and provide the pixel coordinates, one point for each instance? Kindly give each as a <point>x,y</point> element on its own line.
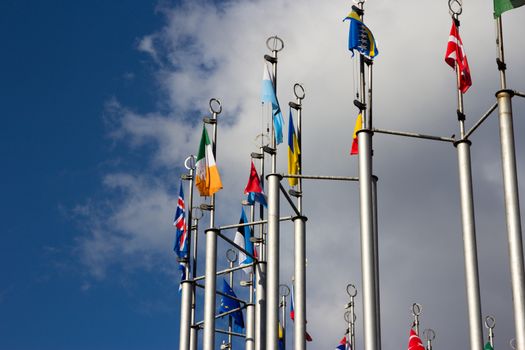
<point>258,255</point>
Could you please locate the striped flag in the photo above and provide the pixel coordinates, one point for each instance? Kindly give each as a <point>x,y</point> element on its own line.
<point>358,125</point>
<point>242,239</point>
<point>292,315</point>
<point>207,180</point>
<point>501,6</point>
<point>414,342</point>
<point>181,237</point>
<point>456,58</point>
<point>293,152</point>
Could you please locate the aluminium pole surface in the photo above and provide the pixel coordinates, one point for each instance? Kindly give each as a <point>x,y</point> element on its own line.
<point>366,218</point>
<point>511,191</point>
<point>187,284</point>
<point>273,238</point>
<point>376,261</point>
<point>211,257</point>
<point>260,277</point>
<point>468,227</point>
<point>194,331</point>
<point>250,307</point>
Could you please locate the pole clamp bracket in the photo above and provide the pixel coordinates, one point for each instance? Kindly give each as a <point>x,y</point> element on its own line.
<point>270,59</point>
<point>461,115</point>
<point>269,150</point>
<point>294,105</point>
<point>501,65</point>
<point>360,105</point>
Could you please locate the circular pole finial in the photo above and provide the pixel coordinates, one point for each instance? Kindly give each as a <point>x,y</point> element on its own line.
<point>348,319</point>
<point>215,106</point>
<point>298,91</point>
<point>490,322</point>
<point>197,216</point>
<point>231,255</point>
<point>429,334</point>
<point>284,290</point>
<point>455,8</point>
<point>274,43</point>
<point>513,343</point>
<point>189,163</point>
<point>351,290</point>
<point>416,309</point>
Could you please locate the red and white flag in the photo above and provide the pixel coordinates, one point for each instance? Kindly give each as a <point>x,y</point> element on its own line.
<point>414,342</point>
<point>456,55</point>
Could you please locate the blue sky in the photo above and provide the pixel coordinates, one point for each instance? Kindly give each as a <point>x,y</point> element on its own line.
<point>101,102</point>
<point>61,63</point>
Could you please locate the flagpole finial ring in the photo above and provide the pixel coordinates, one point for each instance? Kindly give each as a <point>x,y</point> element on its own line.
<point>189,163</point>
<point>215,106</point>
<point>359,2</point>
<point>198,210</point>
<point>512,343</point>
<point>490,322</point>
<point>429,334</point>
<point>284,290</point>
<point>347,316</point>
<point>351,290</point>
<point>298,91</point>
<point>231,255</point>
<point>416,309</point>
<point>455,7</point>
<point>274,43</point>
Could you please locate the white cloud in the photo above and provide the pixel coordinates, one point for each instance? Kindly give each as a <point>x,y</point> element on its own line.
<point>208,50</point>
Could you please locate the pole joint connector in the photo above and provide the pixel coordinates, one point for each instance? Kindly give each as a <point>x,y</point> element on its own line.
<point>270,59</point>
<point>358,10</point>
<point>360,105</point>
<point>294,105</point>
<point>502,66</point>
<point>461,115</point>
<point>269,150</point>
<point>208,120</point>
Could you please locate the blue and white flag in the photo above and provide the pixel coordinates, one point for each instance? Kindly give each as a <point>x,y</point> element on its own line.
<point>269,96</point>
<point>360,38</point>
<point>242,239</point>
<point>181,237</point>
<point>228,304</point>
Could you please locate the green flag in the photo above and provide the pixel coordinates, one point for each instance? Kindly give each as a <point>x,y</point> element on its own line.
<point>501,6</point>
<point>488,346</point>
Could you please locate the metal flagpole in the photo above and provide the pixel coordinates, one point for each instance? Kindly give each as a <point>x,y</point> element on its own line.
<point>510,186</point>
<point>299,239</point>
<point>187,284</point>
<point>490,323</point>
<point>284,291</point>
<point>250,307</point>
<point>430,335</point>
<point>416,311</point>
<point>194,331</point>
<point>350,317</point>
<point>231,256</point>
<point>467,216</point>
<point>366,216</point>
<point>272,290</point>
<point>260,267</point>
<point>376,259</point>
<point>211,250</point>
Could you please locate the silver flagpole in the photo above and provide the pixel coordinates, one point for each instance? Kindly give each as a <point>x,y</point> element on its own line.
<point>490,323</point>
<point>467,218</point>
<point>284,291</point>
<point>512,202</point>
<point>416,312</point>
<point>376,259</point>
<point>194,331</point>
<point>187,284</point>
<point>211,251</point>
<point>250,307</point>
<point>350,314</point>
<point>430,335</point>
<point>260,271</point>
<point>367,217</point>
<point>272,291</point>
<point>299,240</point>
<point>231,256</point>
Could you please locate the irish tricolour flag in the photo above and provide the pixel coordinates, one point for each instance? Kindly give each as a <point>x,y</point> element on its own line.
<point>207,179</point>
<point>501,6</point>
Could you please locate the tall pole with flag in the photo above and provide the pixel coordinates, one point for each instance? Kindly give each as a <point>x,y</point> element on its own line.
<point>362,40</point>
<point>187,283</point>
<point>455,57</point>
<point>272,290</point>
<point>194,330</point>
<point>510,179</point>
<point>211,233</point>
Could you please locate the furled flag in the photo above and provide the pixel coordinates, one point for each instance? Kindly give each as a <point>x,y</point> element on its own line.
<point>242,239</point>
<point>253,188</point>
<point>281,338</point>
<point>414,342</point>
<point>292,315</point>
<point>208,180</point>
<point>181,238</point>
<point>488,346</point>
<point>269,96</point>
<point>360,38</point>
<point>457,59</point>
<point>501,6</point>
<point>228,304</point>
<point>357,127</point>
<point>343,345</point>
<point>293,152</point>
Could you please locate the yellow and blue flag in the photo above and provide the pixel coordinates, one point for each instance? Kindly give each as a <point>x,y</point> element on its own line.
<point>293,152</point>
<point>360,38</point>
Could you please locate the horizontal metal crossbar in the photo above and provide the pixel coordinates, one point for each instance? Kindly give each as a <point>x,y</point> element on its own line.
<point>224,295</point>
<point>225,271</point>
<point>520,94</point>
<point>321,177</point>
<point>198,324</point>
<point>415,135</point>
<point>260,222</point>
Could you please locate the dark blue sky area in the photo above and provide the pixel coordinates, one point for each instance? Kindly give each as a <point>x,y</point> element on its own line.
<point>61,62</point>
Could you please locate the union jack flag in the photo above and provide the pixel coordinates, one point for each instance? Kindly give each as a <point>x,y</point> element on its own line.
<point>181,238</point>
